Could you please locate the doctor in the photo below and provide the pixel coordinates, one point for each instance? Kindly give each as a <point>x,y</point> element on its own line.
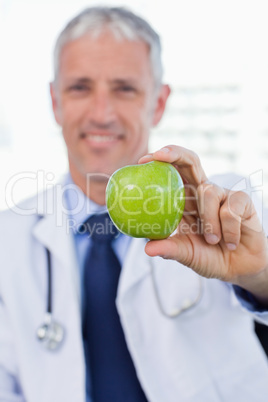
<point>106,95</point>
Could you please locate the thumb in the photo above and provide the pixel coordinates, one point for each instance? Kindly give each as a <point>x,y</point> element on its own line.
<point>170,248</point>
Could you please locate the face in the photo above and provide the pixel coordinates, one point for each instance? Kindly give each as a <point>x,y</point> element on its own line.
<point>105,101</point>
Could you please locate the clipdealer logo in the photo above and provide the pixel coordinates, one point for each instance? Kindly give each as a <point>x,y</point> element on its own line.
<point>44,182</point>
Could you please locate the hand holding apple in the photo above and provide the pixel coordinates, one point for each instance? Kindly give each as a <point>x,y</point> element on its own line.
<point>230,244</point>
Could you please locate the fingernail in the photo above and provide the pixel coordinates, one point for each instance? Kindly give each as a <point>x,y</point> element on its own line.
<point>212,238</point>
<point>165,257</point>
<point>146,156</point>
<point>165,150</point>
<point>231,246</point>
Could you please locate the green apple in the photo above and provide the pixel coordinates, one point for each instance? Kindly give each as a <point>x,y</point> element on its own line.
<point>146,200</point>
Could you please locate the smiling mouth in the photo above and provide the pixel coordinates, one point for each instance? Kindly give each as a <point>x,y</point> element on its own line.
<point>100,138</point>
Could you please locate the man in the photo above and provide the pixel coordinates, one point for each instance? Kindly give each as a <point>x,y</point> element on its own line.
<point>106,95</point>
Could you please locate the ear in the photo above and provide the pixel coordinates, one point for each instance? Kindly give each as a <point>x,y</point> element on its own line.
<point>161,101</point>
<point>55,102</point>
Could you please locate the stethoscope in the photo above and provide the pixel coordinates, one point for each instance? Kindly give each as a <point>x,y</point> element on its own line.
<point>187,304</point>
<point>51,333</point>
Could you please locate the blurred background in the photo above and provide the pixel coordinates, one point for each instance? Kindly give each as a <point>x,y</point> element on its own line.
<point>215,58</point>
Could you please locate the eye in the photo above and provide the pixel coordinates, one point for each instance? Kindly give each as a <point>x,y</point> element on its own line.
<point>125,88</point>
<point>79,88</point>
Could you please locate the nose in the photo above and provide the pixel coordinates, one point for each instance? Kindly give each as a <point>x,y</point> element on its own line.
<point>102,108</point>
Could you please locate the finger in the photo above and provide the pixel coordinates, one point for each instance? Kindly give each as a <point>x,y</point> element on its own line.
<point>182,249</point>
<point>146,158</point>
<point>186,161</point>
<point>236,212</point>
<point>210,198</point>
<point>168,249</point>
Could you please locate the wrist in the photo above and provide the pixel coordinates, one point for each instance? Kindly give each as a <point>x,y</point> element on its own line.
<point>257,285</point>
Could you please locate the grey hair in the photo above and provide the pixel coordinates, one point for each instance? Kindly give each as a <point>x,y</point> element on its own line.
<point>123,23</point>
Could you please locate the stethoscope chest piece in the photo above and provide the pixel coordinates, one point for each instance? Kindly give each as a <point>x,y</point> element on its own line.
<point>50,334</point>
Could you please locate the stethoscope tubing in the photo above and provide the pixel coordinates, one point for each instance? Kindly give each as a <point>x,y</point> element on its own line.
<point>49,282</point>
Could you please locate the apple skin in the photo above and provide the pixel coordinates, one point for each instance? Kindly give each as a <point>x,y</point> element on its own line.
<point>146,200</point>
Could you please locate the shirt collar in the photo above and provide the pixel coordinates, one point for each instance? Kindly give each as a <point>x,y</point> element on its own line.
<point>78,206</point>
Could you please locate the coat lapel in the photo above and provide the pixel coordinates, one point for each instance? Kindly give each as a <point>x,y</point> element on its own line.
<point>53,232</point>
<point>134,268</point>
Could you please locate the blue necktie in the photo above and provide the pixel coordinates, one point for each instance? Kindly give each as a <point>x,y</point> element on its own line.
<point>113,376</point>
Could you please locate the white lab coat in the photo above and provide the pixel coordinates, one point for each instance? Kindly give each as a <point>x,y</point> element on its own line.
<point>207,354</point>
